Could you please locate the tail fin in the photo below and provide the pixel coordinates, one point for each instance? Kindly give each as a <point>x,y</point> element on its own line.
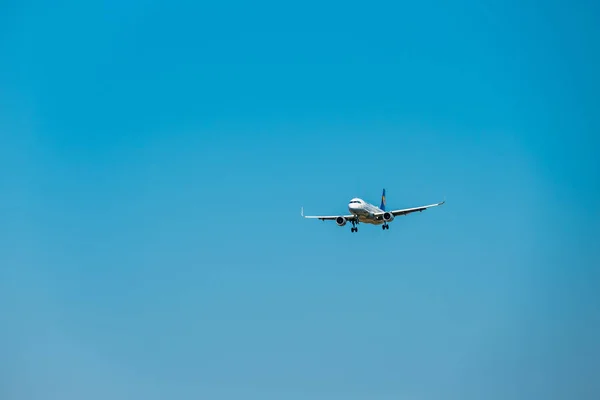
<point>382,206</point>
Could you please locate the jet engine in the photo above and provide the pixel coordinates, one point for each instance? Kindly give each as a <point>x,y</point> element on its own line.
<point>388,216</point>
<point>341,221</point>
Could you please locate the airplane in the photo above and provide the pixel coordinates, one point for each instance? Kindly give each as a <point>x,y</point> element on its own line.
<point>361,211</point>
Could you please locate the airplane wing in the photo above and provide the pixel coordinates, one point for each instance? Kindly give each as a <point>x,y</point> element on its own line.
<point>328,217</point>
<point>406,211</point>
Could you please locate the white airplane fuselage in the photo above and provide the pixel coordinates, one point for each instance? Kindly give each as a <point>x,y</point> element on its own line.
<point>365,211</point>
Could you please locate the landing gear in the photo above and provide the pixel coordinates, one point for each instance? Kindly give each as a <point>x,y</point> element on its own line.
<point>354,227</point>
<point>385,226</point>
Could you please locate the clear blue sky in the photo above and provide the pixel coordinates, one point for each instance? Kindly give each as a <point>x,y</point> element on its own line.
<point>155,156</point>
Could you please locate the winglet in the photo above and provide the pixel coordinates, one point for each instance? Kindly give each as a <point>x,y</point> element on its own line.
<point>382,206</point>
<point>302,211</point>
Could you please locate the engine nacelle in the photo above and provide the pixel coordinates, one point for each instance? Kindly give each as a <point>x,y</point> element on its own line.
<point>341,221</point>
<point>388,216</point>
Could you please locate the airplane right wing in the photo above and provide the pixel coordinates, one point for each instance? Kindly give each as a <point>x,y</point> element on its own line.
<point>328,217</point>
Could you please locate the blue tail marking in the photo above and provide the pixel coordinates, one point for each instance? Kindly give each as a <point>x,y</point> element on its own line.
<point>382,206</point>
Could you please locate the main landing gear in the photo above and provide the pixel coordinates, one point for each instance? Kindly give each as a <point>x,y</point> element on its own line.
<point>385,226</point>
<point>354,227</point>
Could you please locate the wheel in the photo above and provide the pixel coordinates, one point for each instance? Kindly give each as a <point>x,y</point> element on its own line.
<point>383,227</point>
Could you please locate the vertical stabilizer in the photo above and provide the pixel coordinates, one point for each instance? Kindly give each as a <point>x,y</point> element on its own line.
<point>382,206</point>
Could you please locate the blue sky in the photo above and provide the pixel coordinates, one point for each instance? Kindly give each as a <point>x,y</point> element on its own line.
<point>155,157</point>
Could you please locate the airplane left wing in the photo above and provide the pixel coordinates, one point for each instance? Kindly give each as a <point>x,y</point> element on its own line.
<point>406,211</point>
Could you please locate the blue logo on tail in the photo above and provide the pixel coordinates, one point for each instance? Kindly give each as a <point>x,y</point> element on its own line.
<point>382,206</point>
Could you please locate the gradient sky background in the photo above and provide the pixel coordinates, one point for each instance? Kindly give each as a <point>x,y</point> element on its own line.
<point>155,157</point>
